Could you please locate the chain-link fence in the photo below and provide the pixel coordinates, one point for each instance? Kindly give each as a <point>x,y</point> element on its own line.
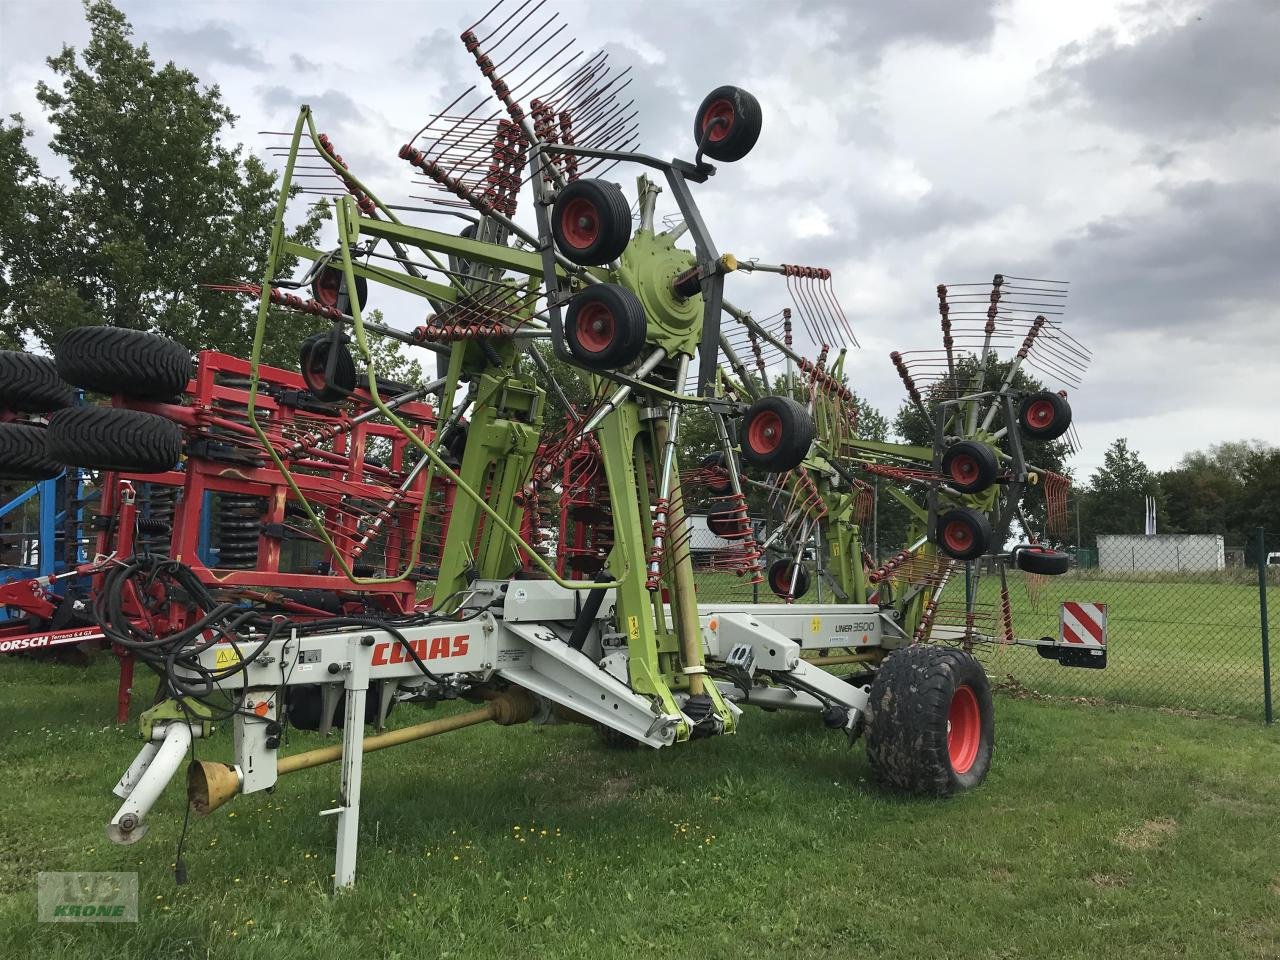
<point>1183,629</point>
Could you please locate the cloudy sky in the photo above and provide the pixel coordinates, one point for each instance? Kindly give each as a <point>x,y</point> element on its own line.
<point>1130,148</point>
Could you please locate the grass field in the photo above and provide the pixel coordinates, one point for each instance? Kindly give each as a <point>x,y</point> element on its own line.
<point>1101,832</point>
<point>1193,643</point>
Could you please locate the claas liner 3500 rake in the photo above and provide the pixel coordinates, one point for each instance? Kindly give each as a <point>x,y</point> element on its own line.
<point>621,643</point>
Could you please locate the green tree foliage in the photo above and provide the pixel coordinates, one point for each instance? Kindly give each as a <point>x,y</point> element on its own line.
<point>1115,500</point>
<point>156,204</point>
<point>1229,489</point>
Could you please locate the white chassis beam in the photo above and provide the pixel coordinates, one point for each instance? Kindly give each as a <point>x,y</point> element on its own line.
<point>520,638</point>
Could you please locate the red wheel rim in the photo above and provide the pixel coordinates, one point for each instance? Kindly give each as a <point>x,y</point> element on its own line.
<point>964,729</point>
<point>313,371</point>
<point>957,536</point>
<point>595,327</point>
<point>765,432</point>
<point>580,223</point>
<point>326,287</point>
<point>963,469</point>
<point>782,580</point>
<point>1040,414</point>
<point>718,110</point>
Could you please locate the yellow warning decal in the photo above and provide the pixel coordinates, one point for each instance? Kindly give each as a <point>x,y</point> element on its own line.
<point>835,548</point>
<point>633,628</point>
<point>226,657</point>
<point>816,624</point>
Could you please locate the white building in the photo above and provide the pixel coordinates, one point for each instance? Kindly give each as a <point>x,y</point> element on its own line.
<point>1164,551</point>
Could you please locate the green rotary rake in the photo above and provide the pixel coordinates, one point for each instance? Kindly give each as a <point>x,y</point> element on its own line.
<point>611,631</point>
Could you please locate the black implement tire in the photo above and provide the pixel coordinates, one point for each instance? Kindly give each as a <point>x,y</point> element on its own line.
<point>780,579</point>
<point>22,453</point>
<point>932,728</point>
<point>128,362</point>
<point>776,434</point>
<point>970,466</point>
<point>591,222</point>
<point>109,438</point>
<point>1044,415</point>
<point>964,534</point>
<point>717,487</point>
<point>727,524</point>
<point>313,360</point>
<point>605,326</point>
<point>326,287</point>
<point>741,111</point>
<point>1033,558</point>
<point>31,384</point>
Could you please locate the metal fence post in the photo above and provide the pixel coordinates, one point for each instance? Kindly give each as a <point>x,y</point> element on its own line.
<point>1266,640</point>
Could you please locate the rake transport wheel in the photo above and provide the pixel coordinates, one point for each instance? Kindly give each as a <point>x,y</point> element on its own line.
<point>326,287</point>
<point>614,739</point>
<point>591,222</point>
<point>728,524</point>
<point>730,119</point>
<point>605,326</point>
<point>31,384</point>
<point>780,579</point>
<point>964,534</point>
<point>1033,558</point>
<point>969,466</point>
<point>932,726</point>
<point>776,434</point>
<point>716,486</point>
<point>313,361</point>
<point>118,360</point>
<point>22,453</point>
<point>1044,415</point>
<point>110,438</point>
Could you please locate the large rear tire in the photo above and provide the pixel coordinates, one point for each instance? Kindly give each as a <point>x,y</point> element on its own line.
<point>30,383</point>
<point>109,438</point>
<point>116,360</point>
<point>932,729</point>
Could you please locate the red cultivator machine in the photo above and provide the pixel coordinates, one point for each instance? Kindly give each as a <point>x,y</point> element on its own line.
<point>173,477</point>
<point>574,347</point>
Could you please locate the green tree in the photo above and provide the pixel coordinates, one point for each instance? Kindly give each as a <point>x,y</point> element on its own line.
<point>1115,501</point>
<point>1206,492</point>
<point>156,204</point>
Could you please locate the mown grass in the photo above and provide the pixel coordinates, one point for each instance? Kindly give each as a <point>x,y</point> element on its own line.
<point>1101,832</point>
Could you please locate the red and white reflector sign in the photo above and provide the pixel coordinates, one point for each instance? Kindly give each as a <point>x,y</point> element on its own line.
<point>1084,624</point>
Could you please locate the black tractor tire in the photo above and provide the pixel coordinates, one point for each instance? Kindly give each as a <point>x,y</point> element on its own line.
<point>22,453</point>
<point>932,728</point>
<point>780,579</point>
<point>1044,415</point>
<point>116,360</point>
<point>591,222</point>
<point>30,384</point>
<point>109,438</point>
<point>734,139</point>
<point>1033,558</point>
<point>776,434</point>
<point>605,326</point>
<point>970,466</point>
<point>964,534</point>
<point>313,359</point>
<point>716,486</point>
